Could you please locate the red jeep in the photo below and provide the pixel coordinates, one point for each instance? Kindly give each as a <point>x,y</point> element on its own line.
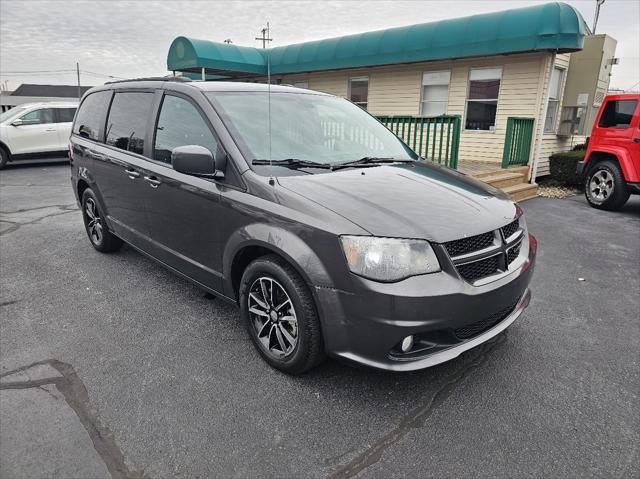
<point>611,166</point>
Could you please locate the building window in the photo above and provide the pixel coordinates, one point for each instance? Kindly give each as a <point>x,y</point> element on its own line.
<point>482,101</point>
<point>435,93</point>
<point>301,84</point>
<point>554,100</point>
<point>359,91</point>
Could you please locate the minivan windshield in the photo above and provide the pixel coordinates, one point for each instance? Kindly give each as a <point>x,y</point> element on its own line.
<point>307,128</point>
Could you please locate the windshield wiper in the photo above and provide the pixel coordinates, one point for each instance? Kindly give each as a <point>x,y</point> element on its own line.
<point>370,160</point>
<point>292,163</point>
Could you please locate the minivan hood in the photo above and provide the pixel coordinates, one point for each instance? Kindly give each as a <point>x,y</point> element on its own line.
<point>409,200</point>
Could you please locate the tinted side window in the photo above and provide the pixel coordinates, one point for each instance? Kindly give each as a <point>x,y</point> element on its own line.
<point>91,115</point>
<point>38,117</point>
<point>65,115</point>
<point>127,123</point>
<point>617,114</point>
<point>181,124</point>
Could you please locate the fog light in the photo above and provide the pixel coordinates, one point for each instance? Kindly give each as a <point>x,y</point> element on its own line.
<point>407,344</point>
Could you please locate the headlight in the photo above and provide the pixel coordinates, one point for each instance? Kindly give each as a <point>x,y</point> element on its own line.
<point>388,259</point>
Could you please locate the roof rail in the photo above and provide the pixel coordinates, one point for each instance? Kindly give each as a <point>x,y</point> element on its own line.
<point>165,78</point>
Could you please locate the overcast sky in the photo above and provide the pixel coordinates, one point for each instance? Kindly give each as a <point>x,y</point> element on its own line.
<point>131,38</point>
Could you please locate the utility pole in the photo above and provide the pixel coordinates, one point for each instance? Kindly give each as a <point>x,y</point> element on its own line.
<point>78,73</point>
<point>265,36</point>
<point>595,18</point>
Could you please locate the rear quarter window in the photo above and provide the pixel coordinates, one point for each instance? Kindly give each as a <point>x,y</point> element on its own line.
<point>91,115</point>
<point>617,114</point>
<point>65,115</point>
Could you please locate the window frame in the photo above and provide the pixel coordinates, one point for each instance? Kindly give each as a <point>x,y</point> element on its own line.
<point>553,127</point>
<point>359,78</point>
<point>53,116</point>
<point>156,119</point>
<point>467,99</point>
<point>101,121</point>
<point>422,86</point>
<point>297,82</point>
<point>145,148</point>
<point>618,128</point>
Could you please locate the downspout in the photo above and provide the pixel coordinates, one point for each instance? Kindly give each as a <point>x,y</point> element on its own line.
<point>541,121</point>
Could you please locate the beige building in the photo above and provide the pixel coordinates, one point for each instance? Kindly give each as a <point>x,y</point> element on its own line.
<point>500,80</point>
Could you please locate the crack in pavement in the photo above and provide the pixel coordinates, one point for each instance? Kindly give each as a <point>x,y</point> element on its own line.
<point>77,397</point>
<point>415,418</point>
<point>15,226</point>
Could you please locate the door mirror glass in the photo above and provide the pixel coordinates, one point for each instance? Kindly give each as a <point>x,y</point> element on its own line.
<point>195,160</point>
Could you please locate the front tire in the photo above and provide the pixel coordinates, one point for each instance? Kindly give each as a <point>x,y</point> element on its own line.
<point>280,316</point>
<point>605,187</point>
<point>94,223</point>
<point>4,157</point>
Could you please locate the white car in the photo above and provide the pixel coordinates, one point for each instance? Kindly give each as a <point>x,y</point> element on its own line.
<point>35,131</point>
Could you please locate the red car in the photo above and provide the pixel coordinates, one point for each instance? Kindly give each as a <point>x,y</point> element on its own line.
<point>611,168</point>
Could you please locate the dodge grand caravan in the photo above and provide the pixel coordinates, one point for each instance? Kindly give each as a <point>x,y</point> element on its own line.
<point>329,232</point>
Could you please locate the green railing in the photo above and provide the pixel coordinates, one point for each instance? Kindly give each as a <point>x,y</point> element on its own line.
<point>435,138</point>
<point>517,141</point>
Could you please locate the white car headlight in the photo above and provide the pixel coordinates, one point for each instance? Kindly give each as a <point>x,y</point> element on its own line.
<point>389,259</point>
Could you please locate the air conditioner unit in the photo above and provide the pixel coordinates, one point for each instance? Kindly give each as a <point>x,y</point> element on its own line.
<point>572,120</point>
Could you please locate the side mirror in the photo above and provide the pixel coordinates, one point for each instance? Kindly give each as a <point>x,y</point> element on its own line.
<point>20,122</point>
<point>195,160</point>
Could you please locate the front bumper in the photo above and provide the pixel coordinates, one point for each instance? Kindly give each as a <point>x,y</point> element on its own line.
<point>366,325</point>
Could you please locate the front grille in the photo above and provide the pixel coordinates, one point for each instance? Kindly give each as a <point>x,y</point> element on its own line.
<point>478,327</point>
<point>510,229</point>
<point>479,269</point>
<point>469,245</point>
<point>513,253</point>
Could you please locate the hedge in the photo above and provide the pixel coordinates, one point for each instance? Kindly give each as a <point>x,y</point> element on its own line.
<point>563,166</point>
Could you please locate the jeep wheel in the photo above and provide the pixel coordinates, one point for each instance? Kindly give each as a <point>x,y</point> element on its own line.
<point>605,187</point>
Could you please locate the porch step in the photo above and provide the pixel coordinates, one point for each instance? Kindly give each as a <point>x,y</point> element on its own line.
<point>522,191</point>
<point>503,178</point>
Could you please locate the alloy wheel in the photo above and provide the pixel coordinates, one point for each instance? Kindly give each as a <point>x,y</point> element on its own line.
<point>601,185</point>
<point>273,317</point>
<point>93,221</point>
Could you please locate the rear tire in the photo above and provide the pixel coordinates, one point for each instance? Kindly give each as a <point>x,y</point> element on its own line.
<point>4,157</point>
<point>94,223</point>
<point>280,315</point>
<point>605,187</point>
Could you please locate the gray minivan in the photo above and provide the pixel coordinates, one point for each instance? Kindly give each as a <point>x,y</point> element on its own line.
<point>328,231</point>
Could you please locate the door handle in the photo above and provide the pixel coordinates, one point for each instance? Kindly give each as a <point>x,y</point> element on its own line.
<point>97,156</point>
<point>153,181</point>
<point>637,140</point>
<point>133,174</point>
<point>50,129</point>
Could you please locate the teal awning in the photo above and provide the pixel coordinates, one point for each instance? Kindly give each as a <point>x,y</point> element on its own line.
<point>549,27</point>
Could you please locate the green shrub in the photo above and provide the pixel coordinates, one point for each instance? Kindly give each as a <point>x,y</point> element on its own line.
<point>563,166</point>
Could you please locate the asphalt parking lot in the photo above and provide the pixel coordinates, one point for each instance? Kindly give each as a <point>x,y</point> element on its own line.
<point>114,367</point>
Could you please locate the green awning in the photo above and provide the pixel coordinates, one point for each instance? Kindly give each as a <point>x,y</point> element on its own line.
<point>550,27</point>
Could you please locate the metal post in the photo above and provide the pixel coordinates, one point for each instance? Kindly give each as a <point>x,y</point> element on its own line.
<point>595,18</point>
<point>78,74</point>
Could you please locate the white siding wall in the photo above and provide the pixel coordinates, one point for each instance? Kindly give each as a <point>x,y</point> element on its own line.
<point>550,142</point>
<point>396,90</point>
